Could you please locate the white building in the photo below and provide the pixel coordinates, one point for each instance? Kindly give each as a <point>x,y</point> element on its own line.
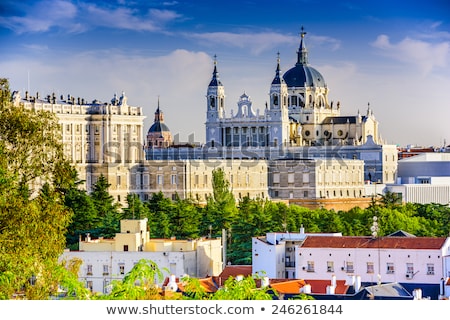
<point>104,260</point>
<point>414,262</point>
<point>274,254</point>
<point>424,178</point>
<point>98,138</point>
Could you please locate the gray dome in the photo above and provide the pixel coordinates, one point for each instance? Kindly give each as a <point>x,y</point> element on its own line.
<point>303,75</point>
<point>158,127</point>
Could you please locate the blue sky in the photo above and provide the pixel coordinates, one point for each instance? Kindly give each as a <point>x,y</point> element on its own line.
<point>394,55</point>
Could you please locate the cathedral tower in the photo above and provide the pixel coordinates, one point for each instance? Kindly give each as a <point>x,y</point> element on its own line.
<point>278,114</point>
<point>215,109</point>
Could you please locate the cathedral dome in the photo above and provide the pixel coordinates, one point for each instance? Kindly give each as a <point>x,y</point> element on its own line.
<point>303,75</point>
<point>158,127</point>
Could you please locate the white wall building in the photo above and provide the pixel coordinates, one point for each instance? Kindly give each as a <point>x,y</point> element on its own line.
<point>104,260</point>
<point>414,262</point>
<point>424,178</point>
<point>274,254</point>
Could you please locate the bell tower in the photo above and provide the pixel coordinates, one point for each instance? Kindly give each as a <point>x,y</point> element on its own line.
<point>278,112</point>
<point>215,107</point>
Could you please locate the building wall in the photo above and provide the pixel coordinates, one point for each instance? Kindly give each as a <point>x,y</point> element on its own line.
<point>379,258</point>
<point>118,264</point>
<point>193,178</point>
<point>316,179</point>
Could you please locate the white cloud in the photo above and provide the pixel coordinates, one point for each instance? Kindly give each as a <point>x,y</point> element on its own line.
<point>256,42</point>
<point>43,16</point>
<point>425,55</point>
<point>179,78</point>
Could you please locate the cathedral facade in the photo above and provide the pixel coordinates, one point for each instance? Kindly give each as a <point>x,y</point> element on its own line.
<point>298,113</point>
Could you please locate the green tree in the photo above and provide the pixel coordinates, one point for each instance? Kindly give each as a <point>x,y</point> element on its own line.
<point>185,219</point>
<point>138,284</point>
<point>136,208</point>
<point>242,289</point>
<point>33,217</point>
<point>108,213</point>
<point>251,220</point>
<point>220,210</point>
<point>160,208</point>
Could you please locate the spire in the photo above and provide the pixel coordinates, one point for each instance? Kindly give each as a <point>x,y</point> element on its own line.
<point>277,79</point>
<point>159,117</point>
<point>215,81</point>
<point>302,53</point>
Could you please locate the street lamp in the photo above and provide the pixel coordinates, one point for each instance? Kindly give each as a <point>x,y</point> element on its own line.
<point>375,228</point>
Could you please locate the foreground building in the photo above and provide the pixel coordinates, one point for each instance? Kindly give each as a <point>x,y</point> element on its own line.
<point>104,260</point>
<point>413,262</point>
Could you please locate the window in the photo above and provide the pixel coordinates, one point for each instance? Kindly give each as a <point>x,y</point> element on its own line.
<point>105,270</point>
<point>291,177</point>
<point>125,247</point>
<point>90,285</point>
<point>330,266</point>
<point>310,266</point>
<point>306,178</point>
<point>89,270</point>
<point>370,268</point>
<point>410,268</point>
<point>276,178</point>
<point>430,268</point>
<point>390,268</point>
<point>173,179</point>
<point>122,268</point>
<point>159,179</point>
<point>305,194</point>
<point>349,267</point>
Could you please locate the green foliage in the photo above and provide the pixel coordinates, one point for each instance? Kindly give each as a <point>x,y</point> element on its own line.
<point>138,284</point>
<point>242,289</point>
<point>160,208</point>
<point>136,208</point>
<point>220,211</point>
<point>107,210</point>
<point>33,217</point>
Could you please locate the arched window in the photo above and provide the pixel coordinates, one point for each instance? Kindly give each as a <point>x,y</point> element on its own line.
<point>275,100</point>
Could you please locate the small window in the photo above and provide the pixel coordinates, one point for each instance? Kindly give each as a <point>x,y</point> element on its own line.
<point>89,270</point>
<point>370,267</point>
<point>349,267</point>
<point>310,266</point>
<point>122,268</point>
<point>390,268</point>
<point>105,270</point>
<point>330,266</point>
<point>430,268</point>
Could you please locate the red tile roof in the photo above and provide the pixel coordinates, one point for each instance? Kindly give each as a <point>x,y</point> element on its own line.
<point>233,271</point>
<point>369,242</point>
<point>288,287</point>
<point>207,283</point>
<point>320,286</point>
